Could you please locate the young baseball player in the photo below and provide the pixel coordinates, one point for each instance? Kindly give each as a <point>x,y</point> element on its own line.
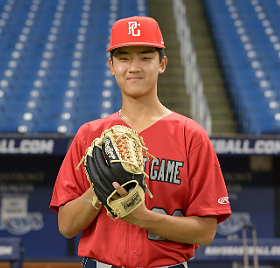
<point>190,196</point>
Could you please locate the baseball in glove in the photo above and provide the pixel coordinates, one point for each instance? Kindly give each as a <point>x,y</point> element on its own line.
<point>117,156</point>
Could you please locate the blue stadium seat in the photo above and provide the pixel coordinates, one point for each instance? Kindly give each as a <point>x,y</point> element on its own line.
<point>262,124</point>
<point>12,122</point>
<point>247,42</point>
<point>53,64</point>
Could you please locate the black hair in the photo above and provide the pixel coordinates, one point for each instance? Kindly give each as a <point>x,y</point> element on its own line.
<point>161,53</point>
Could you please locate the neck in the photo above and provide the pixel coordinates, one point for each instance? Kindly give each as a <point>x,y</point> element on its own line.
<point>142,106</point>
<point>142,111</point>
<point>144,118</point>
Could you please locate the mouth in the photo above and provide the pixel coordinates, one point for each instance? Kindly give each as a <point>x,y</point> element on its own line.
<point>132,79</point>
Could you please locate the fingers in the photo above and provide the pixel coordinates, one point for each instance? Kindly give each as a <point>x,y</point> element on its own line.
<point>121,191</point>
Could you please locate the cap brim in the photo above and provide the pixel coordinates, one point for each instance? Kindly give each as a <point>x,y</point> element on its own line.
<point>135,44</point>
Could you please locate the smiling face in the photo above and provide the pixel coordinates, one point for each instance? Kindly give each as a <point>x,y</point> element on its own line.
<point>136,69</point>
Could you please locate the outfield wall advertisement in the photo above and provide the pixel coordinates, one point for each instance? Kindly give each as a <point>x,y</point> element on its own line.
<point>59,146</point>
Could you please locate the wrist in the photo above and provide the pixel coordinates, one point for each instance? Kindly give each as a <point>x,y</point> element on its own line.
<point>144,218</point>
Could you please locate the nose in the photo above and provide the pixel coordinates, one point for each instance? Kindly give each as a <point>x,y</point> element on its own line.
<point>134,65</point>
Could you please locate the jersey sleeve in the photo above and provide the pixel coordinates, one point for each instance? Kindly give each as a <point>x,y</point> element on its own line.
<point>208,193</point>
<point>71,183</point>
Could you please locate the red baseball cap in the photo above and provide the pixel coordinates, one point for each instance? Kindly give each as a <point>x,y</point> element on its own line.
<point>136,31</point>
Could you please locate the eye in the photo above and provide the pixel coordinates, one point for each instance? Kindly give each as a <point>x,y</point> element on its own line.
<point>123,59</point>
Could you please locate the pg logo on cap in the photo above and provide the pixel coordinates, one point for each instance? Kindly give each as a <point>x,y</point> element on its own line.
<point>132,26</point>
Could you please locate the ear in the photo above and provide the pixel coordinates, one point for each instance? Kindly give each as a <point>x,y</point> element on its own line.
<point>110,63</point>
<point>162,65</point>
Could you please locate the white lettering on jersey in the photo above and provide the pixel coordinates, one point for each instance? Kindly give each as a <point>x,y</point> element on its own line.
<point>165,171</point>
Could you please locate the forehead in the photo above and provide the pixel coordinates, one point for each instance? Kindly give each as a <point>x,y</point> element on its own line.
<point>134,49</point>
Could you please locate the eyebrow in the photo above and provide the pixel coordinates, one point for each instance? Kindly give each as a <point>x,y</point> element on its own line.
<point>123,52</point>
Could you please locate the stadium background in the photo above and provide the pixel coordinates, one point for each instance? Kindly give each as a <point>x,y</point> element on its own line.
<point>54,77</point>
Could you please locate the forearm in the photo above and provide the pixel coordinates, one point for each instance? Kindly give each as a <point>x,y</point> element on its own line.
<point>76,215</point>
<point>190,230</point>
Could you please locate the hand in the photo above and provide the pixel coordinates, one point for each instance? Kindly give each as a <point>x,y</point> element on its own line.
<point>138,214</point>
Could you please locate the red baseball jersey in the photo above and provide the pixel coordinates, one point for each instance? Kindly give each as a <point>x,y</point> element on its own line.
<point>185,180</point>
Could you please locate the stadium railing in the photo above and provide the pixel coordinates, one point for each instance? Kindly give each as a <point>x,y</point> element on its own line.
<point>199,109</point>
